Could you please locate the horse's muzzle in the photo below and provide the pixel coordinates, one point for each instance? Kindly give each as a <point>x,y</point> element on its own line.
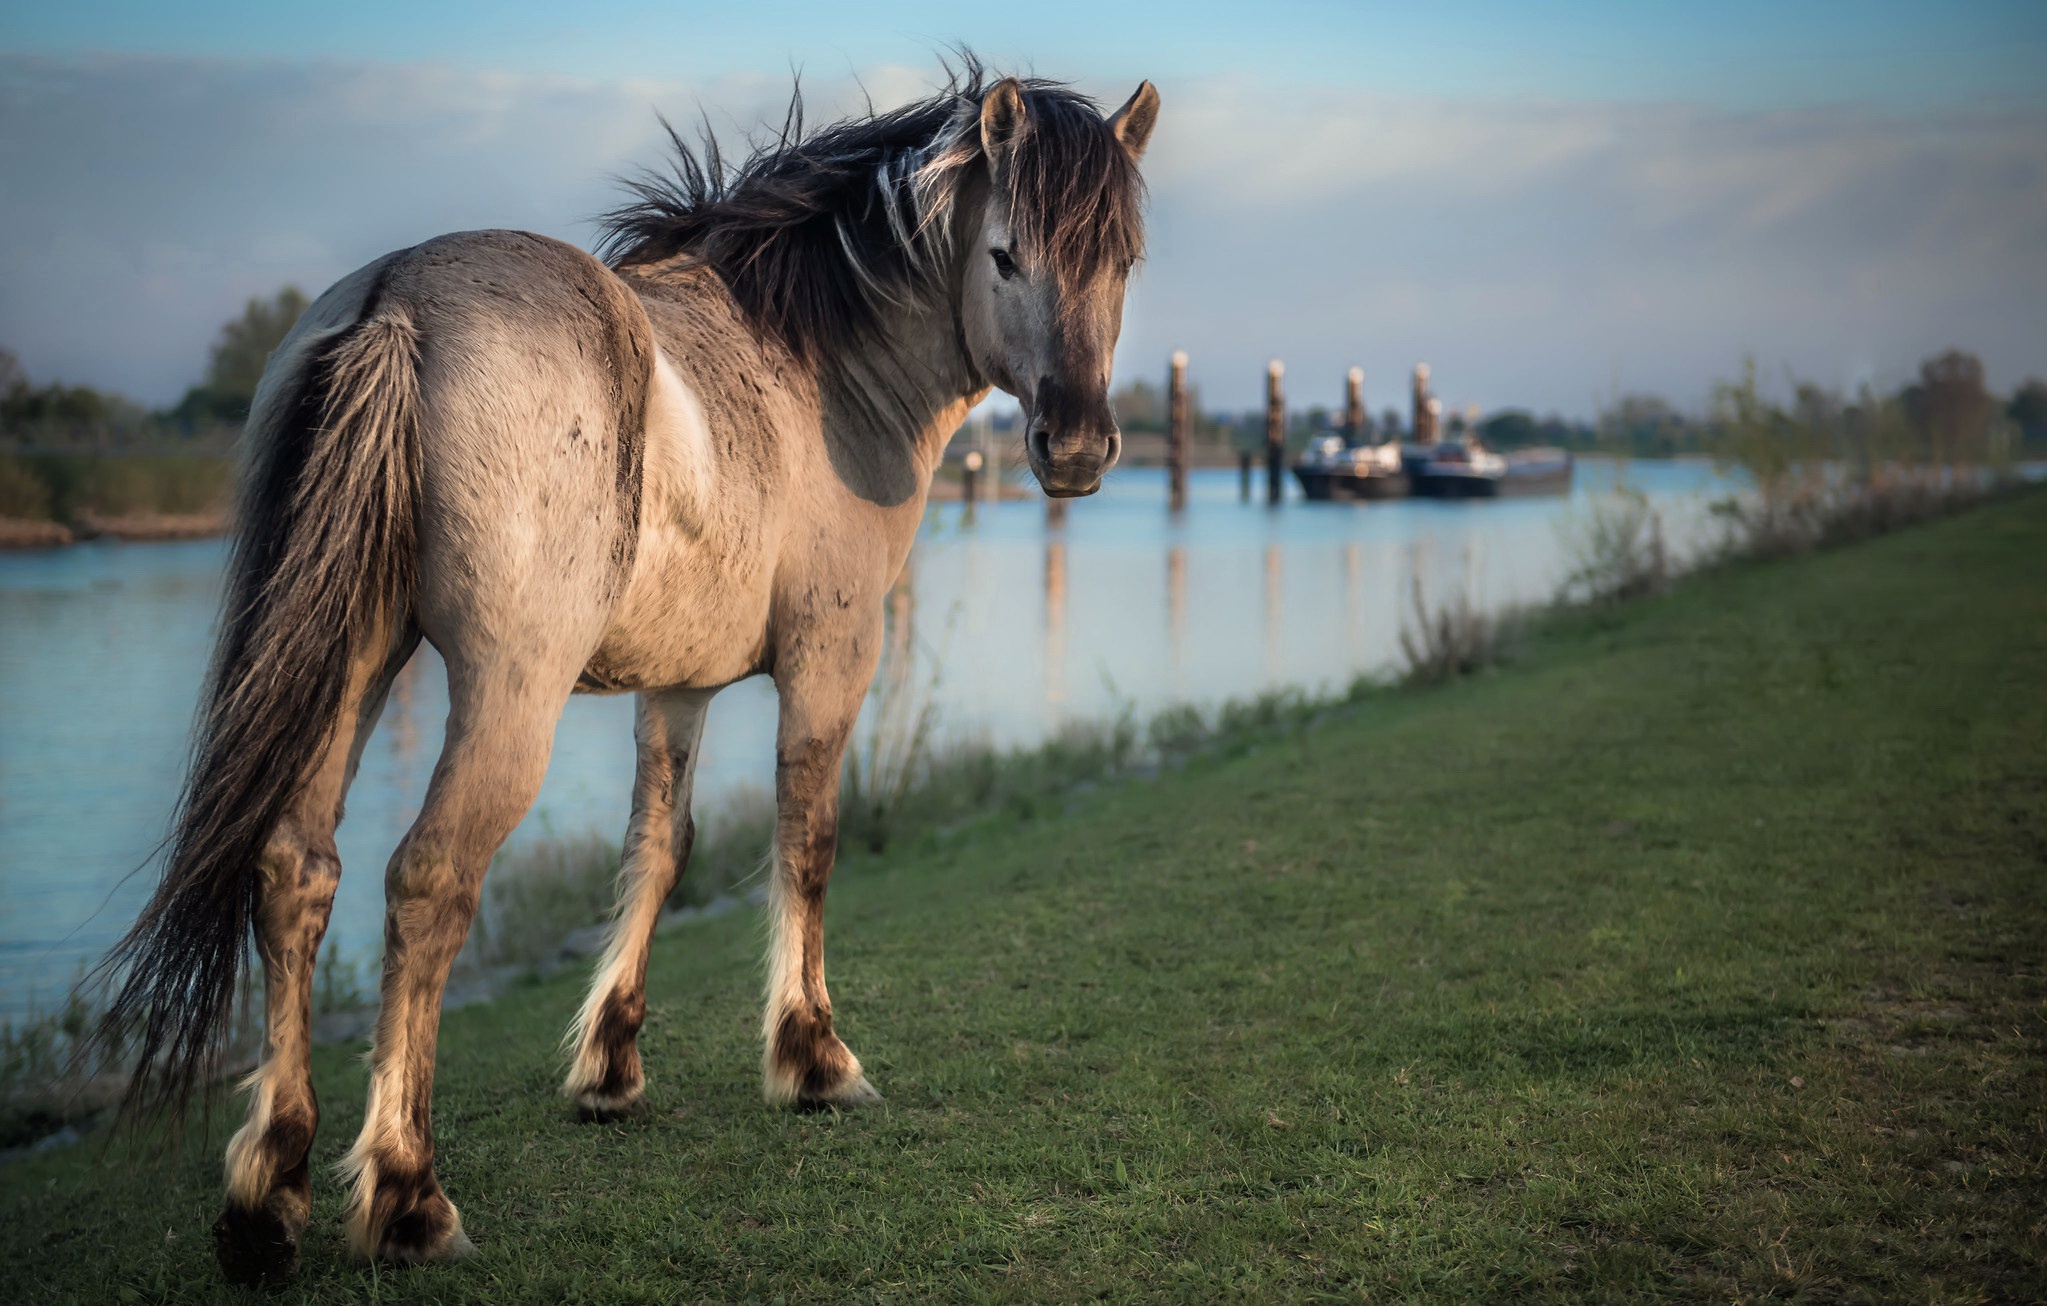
<point>1071,466</point>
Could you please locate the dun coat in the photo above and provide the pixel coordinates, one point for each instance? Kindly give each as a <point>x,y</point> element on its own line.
<point>700,461</point>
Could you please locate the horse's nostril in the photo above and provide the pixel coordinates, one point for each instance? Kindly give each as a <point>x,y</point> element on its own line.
<point>1039,444</point>
<point>1115,450</point>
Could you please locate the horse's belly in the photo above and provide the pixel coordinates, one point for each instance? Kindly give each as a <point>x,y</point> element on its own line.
<point>687,621</point>
<point>621,666</point>
<point>694,650</point>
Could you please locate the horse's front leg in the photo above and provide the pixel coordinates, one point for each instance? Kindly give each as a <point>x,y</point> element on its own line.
<point>804,1064</point>
<point>605,1078</point>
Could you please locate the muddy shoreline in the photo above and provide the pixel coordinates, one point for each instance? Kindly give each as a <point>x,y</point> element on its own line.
<point>16,533</point>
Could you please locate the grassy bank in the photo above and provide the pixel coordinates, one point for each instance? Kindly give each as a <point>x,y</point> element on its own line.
<point>1698,954</point>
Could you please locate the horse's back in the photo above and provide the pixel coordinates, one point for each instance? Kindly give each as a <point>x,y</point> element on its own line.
<point>524,338</point>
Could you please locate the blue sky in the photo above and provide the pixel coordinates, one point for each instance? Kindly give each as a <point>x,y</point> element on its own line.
<point>1551,203</point>
<point>1746,52</point>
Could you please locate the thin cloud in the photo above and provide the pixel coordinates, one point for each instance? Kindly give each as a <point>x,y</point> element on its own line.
<point>1537,252</point>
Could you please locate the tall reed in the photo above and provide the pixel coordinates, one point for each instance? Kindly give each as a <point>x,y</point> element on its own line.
<point>1444,636</point>
<point>1616,548</point>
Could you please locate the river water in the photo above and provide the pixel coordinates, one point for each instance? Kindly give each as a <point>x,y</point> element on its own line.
<point>1014,624</point>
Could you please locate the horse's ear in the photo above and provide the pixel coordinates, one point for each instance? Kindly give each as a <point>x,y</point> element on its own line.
<point>1003,119</point>
<point>1133,122</point>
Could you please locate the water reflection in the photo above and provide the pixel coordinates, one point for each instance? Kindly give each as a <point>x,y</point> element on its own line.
<point>1274,579</point>
<point>1353,595</point>
<point>102,647</point>
<point>1055,623</point>
<point>1176,614</point>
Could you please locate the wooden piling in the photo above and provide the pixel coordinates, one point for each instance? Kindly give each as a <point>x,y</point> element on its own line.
<point>970,479</point>
<point>1426,428</point>
<point>1354,407</point>
<point>1275,432</point>
<point>1244,475</point>
<point>1179,424</point>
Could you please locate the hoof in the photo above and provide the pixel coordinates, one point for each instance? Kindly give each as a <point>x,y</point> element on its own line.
<point>807,1068</point>
<point>256,1248</point>
<point>409,1223</point>
<point>402,1246</point>
<point>594,1109</point>
<point>852,1095</point>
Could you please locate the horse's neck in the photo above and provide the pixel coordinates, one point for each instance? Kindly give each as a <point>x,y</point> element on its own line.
<point>909,388</point>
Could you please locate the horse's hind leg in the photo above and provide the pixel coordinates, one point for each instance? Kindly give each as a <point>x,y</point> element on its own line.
<point>605,1078</point>
<point>501,720</point>
<point>269,1190</point>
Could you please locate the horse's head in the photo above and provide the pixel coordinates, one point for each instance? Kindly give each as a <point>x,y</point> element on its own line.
<point>1050,253</point>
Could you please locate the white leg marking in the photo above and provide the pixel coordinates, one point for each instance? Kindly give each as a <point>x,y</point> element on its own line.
<point>249,1165</point>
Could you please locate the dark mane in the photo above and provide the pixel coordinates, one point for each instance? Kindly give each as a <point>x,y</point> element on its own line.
<point>816,231</point>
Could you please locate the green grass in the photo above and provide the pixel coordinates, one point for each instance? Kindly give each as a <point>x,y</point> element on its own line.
<point>1696,955</point>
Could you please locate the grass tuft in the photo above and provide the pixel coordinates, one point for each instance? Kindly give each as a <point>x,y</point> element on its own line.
<point>1444,637</point>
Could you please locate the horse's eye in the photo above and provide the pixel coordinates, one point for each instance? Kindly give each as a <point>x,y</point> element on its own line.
<point>1004,264</point>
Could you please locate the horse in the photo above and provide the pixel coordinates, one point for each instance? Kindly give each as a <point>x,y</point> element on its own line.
<point>698,455</point>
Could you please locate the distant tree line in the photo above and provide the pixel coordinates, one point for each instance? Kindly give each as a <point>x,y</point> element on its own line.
<point>1946,411</point>
<point>55,417</point>
<point>1141,407</point>
<point>66,416</point>
<point>1947,415</point>
<point>236,363</point>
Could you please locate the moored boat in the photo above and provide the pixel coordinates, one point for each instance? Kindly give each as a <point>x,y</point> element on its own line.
<point>1465,469</point>
<point>1331,469</point>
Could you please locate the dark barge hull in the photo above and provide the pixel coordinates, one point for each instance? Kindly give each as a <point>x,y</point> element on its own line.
<point>1324,486</point>
<point>1544,480</point>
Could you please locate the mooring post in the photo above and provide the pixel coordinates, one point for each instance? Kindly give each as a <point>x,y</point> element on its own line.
<point>1425,425</point>
<point>970,479</point>
<point>1178,423</point>
<point>1244,475</point>
<point>1275,431</point>
<point>1354,407</point>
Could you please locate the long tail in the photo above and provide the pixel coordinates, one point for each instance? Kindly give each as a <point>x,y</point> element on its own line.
<point>323,562</point>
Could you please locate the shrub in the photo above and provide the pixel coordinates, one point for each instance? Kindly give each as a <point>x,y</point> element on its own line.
<point>23,494</point>
<point>74,487</point>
